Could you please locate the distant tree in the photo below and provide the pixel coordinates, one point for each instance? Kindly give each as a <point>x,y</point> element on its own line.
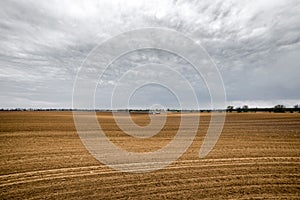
<point>279,108</point>
<point>238,109</point>
<point>245,108</point>
<point>229,108</point>
<point>297,108</point>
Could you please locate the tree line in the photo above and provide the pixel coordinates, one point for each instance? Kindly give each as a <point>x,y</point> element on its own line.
<point>276,109</point>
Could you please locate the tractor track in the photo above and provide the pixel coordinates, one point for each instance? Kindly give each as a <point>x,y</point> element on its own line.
<point>73,172</point>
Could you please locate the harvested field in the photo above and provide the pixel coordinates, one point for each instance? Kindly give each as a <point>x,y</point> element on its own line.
<point>257,156</point>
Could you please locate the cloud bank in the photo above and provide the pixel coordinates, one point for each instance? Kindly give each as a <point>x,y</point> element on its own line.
<point>255,45</point>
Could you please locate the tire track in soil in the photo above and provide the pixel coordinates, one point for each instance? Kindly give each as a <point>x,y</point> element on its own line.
<point>80,171</point>
<point>91,172</point>
<point>185,185</point>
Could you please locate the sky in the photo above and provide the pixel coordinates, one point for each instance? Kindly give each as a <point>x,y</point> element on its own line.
<point>255,45</point>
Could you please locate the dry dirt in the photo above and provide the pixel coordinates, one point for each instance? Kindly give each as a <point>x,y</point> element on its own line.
<point>256,157</point>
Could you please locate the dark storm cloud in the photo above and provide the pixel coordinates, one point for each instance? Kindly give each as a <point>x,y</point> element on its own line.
<point>255,45</point>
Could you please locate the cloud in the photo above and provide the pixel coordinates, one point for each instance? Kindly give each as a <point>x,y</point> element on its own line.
<point>255,45</point>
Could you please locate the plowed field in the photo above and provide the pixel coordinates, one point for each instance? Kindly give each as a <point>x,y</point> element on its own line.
<point>257,156</point>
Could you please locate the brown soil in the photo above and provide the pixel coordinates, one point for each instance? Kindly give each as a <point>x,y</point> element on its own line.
<point>257,156</point>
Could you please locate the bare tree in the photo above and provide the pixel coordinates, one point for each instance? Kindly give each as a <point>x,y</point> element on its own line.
<point>297,107</point>
<point>229,108</point>
<point>245,108</point>
<point>279,108</point>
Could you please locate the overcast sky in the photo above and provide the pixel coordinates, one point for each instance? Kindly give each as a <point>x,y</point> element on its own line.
<point>255,45</point>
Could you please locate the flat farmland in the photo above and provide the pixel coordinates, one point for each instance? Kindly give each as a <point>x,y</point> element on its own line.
<point>256,157</point>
